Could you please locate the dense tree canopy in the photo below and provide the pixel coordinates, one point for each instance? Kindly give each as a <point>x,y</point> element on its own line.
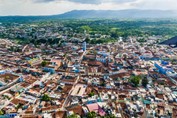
<point>135,80</point>
<point>96,28</point>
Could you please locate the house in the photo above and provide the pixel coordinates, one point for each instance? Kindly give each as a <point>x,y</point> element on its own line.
<point>96,108</point>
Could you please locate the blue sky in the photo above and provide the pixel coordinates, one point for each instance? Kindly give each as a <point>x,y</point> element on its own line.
<point>49,7</point>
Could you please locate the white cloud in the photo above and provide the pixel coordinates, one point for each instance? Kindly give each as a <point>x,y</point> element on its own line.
<point>89,1</point>
<point>47,7</point>
<point>157,4</point>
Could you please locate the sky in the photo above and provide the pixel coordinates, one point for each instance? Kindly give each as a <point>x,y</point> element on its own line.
<point>51,7</point>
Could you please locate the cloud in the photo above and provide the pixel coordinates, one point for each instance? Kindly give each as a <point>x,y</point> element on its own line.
<point>156,4</point>
<point>38,1</point>
<point>49,7</point>
<point>101,1</point>
<point>89,1</point>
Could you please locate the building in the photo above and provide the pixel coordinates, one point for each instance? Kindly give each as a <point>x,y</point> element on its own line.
<point>84,46</point>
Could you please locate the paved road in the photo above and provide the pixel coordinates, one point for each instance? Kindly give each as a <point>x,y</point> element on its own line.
<point>67,98</point>
<point>75,83</point>
<point>9,88</point>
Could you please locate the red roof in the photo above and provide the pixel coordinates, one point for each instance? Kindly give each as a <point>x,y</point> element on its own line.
<point>96,108</point>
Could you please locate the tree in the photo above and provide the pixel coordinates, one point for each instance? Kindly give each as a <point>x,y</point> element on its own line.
<point>141,40</point>
<point>65,55</point>
<point>109,116</point>
<point>114,35</point>
<point>45,97</point>
<point>7,77</point>
<point>95,53</point>
<point>91,94</point>
<point>135,80</point>
<point>91,115</point>
<point>15,49</point>
<point>87,40</point>
<point>86,28</point>
<point>144,82</point>
<point>73,116</point>
<point>44,63</point>
<point>19,106</point>
<point>1,112</point>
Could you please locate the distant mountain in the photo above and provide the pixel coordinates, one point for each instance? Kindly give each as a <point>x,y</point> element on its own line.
<point>172,41</point>
<point>119,14</point>
<point>96,14</point>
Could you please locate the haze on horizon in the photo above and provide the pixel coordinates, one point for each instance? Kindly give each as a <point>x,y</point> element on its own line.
<point>50,7</point>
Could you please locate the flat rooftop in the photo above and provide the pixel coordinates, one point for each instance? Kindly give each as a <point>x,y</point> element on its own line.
<point>79,90</point>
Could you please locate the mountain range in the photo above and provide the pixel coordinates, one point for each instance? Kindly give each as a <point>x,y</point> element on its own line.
<point>133,13</point>
<point>97,14</point>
